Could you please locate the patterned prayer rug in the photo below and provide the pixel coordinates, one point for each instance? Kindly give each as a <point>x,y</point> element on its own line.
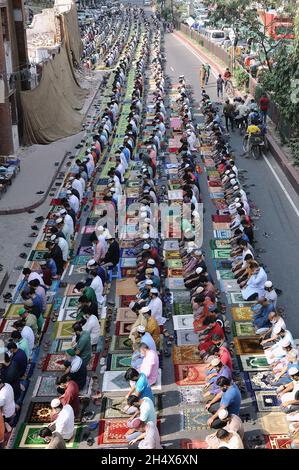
<point>123,328</point>
<point>220,244</point>
<point>182,309</point>
<point>174,272</point>
<point>225,274</point>
<point>39,413</point>
<point>54,362</point>
<point>12,312</point>
<point>128,272</point>
<point>181,297</point>
<point>120,343</point>
<point>190,375</point>
<point>114,381</point>
<point>186,337</point>
<point>221,254</point>
<point>191,395</point>
<point>112,407</point>
<point>221,218</point>
<point>248,345</point>
<point>221,226</point>
<point>36,255</point>
<point>28,437</point>
<point>67,314</point>
<point>81,260</point>
<point>253,362</point>
<point>6,326</point>
<point>267,401</point>
<point>241,313</point>
<point>125,300</point>
<point>222,264</point>
<point>63,329</point>
<point>85,251</point>
<point>77,270</point>
<point>273,423</point>
<point>193,444</point>
<point>243,328</point>
<point>60,345</point>
<point>278,441</point>
<point>175,283</point>
<point>46,387</point>
<point>174,263</point>
<point>71,302</point>
<point>128,263</point>
<point>185,355</point>
<point>119,361</point>
<point>222,234</point>
<point>70,290</point>
<point>259,380</point>
<point>237,298</point>
<point>126,287</point>
<point>125,315</point>
<point>112,431</point>
<point>183,322</point>
<point>194,419</point>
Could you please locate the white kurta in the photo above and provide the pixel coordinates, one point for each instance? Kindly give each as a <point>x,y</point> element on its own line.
<point>255,284</point>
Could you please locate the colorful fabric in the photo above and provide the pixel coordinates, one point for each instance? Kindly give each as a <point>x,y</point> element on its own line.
<point>194,419</point>
<point>54,362</point>
<point>190,375</point>
<point>185,354</point>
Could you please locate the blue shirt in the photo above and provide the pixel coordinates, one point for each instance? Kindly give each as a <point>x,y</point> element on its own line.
<point>261,318</point>
<point>231,399</point>
<point>143,387</point>
<point>52,266</point>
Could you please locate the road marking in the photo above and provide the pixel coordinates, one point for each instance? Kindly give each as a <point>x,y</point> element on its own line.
<point>215,73</point>
<point>284,190</point>
<point>172,69</point>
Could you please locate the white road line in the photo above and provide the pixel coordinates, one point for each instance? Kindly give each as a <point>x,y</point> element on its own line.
<point>284,190</point>
<point>172,69</point>
<point>215,73</point>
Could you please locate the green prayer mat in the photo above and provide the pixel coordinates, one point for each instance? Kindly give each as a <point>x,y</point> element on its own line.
<point>120,343</point>
<point>27,438</point>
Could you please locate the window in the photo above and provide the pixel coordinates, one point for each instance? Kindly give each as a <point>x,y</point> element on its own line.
<point>4,22</point>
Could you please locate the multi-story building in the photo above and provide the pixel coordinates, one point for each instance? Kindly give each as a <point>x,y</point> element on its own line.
<point>13,73</point>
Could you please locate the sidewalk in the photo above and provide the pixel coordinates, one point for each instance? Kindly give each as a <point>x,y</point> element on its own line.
<point>278,153</point>
<point>40,164</point>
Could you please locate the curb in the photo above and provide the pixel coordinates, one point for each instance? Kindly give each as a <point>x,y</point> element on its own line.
<point>290,172</point>
<point>44,197</point>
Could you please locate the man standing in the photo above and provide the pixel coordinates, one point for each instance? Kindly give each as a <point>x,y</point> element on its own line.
<point>208,71</point>
<point>228,111</point>
<point>264,106</point>
<point>220,84</point>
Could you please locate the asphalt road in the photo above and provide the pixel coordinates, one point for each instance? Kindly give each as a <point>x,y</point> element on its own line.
<point>277,230</point>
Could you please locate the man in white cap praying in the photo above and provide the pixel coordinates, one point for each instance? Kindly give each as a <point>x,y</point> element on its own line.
<point>63,245</point>
<point>64,424</point>
<point>68,226</point>
<point>270,293</point>
<point>143,336</point>
<point>289,393</point>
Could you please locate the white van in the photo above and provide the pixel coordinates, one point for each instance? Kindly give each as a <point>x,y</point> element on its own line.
<point>215,35</point>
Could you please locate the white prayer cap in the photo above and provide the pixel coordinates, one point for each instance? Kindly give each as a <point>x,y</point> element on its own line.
<point>53,238</point>
<point>199,290</point>
<point>199,270</point>
<point>143,215</point>
<point>268,284</point>
<point>100,228</point>
<point>131,304</point>
<point>233,181</point>
<point>189,250</point>
<point>285,342</point>
<point>59,220</point>
<point>145,236</point>
<point>145,310</point>
<point>154,290</point>
<point>149,282</point>
<point>146,246</point>
<point>293,371</point>
<point>62,212</point>
<point>69,192</point>
<point>147,220</point>
<point>151,261</point>
<point>238,205</point>
<point>91,262</point>
<point>71,178</point>
<point>223,414</point>
<point>235,187</point>
<point>198,253</point>
<point>55,403</point>
<point>237,199</point>
<point>141,329</point>
<point>215,362</point>
<point>227,172</point>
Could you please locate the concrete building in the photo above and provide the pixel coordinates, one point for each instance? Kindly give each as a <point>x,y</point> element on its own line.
<point>13,73</point>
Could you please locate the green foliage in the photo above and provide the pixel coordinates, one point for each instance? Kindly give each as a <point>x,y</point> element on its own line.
<point>241,77</point>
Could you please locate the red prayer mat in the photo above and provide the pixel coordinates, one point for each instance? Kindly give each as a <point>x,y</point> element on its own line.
<point>54,362</point>
<point>278,441</point>
<point>221,218</point>
<point>123,328</point>
<point>193,444</point>
<point>113,431</point>
<point>190,374</point>
<point>126,299</point>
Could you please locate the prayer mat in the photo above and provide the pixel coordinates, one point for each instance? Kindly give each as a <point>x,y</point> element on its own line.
<point>54,362</point>
<point>112,407</point>
<point>273,423</point>
<point>182,309</point>
<point>248,345</point>
<point>221,218</point>
<point>123,328</point>
<point>61,345</point>
<point>80,260</point>
<point>183,322</point>
<point>267,401</point>
<point>125,300</point>
<point>175,284</point>
<point>241,313</point>
<point>220,204</point>
<point>181,297</point>
<point>185,355</point>
<point>120,343</point>
<point>46,387</point>
<point>28,438</point>
<point>222,234</point>
<point>174,263</point>
<point>225,275</point>
<point>190,375</point>
<point>243,328</point>
<point>191,395</point>
<point>70,290</point>
<point>36,255</point>
<point>128,272</point>
<point>12,312</point>
<point>125,314</point>
<point>128,263</point>
<point>63,329</point>
<point>113,431</point>
<point>119,361</point>
<point>71,302</point>
<point>88,229</point>
<point>6,326</point>
<point>67,314</point>
<point>41,246</point>
<point>220,244</point>
<point>194,419</point>
<point>126,287</point>
<point>188,337</point>
<point>229,285</point>
<point>171,245</point>
<point>222,264</point>
<point>81,270</point>
<point>259,380</point>
<point>175,272</point>
<point>39,413</point>
<point>221,254</point>
<point>253,362</point>
<point>129,253</point>
<point>114,381</point>
<point>278,441</point>
<point>237,298</point>
<point>127,243</point>
<point>172,255</point>
<point>193,444</point>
